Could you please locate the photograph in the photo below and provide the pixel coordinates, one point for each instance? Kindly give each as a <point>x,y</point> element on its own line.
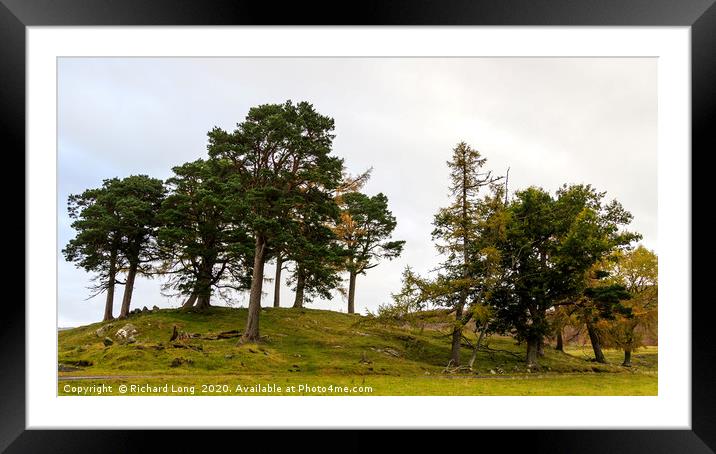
<point>357,226</point>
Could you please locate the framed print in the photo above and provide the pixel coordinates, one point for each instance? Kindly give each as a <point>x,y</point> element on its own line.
<point>453,216</point>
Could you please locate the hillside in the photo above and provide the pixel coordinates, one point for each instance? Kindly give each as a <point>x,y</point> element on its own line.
<point>319,346</point>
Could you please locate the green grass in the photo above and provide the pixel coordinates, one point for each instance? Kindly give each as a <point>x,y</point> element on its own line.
<point>322,348</point>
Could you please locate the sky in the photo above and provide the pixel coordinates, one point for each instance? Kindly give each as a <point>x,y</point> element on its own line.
<point>549,120</point>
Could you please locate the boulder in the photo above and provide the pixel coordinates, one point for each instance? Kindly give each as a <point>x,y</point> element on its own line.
<point>155,308</point>
<point>145,310</point>
<point>108,341</point>
<point>102,330</point>
<point>126,332</point>
<point>131,340</point>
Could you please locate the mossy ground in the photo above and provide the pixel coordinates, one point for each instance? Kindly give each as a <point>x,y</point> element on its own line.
<point>323,348</point>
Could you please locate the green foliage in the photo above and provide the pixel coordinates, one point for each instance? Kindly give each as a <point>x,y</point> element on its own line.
<point>116,225</point>
<point>365,228</point>
<point>138,200</point>
<point>202,237</point>
<point>550,245</point>
<point>280,154</point>
<point>95,246</point>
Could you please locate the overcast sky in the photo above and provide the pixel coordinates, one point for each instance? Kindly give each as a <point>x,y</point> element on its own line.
<point>551,120</point>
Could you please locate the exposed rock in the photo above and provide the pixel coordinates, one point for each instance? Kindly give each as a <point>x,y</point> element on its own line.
<point>65,368</point>
<point>155,308</point>
<point>391,352</point>
<point>145,309</point>
<point>127,331</point>
<point>102,331</point>
<point>107,341</point>
<point>492,371</point>
<point>131,340</point>
<point>136,311</point>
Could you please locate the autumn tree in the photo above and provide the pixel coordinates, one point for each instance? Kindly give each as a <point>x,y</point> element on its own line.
<point>637,271</point>
<point>276,153</point>
<point>365,230</point>
<point>96,246</point>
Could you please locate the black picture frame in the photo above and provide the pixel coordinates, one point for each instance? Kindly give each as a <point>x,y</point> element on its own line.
<point>700,15</point>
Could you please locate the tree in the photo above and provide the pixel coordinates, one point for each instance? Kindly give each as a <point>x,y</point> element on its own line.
<point>96,246</point>
<point>456,235</point>
<point>601,302</point>
<point>637,271</point>
<point>550,245</point>
<point>276,153</point>
<point>365,228</point>
<point>313,247</point>
<point>201,238</point>
<point>139,199</point>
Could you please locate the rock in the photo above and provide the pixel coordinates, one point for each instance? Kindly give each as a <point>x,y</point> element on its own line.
<point>229,356</point>
<point>155,308</point>
<point>126,332</point>
<point>66,368</point>
<point>107,341</point>
<point>492,371</point>
<point>102,331</point>
<point>136,311</point>
<point>145,310</point>
<point>392,352</point>
<point>131,340</point>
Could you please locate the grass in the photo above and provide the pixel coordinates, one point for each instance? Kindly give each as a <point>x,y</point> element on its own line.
<point>333,351</point>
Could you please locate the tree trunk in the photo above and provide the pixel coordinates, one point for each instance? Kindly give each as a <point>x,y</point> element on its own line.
<point>627,357</point>
<point>532,347</point>
<point>540,348</point>
<point>189,301</point>
<point>128,289</point>
<point>560,341</point>
<point>457,329</point>
<point>277,282</point>
<point>352,293</point>
<point>300,286</point>
<point>203,301</point>
<point>456,337</point>
<point>109,302</point>
<point>477,346</point>
<point>257,278</point>
<point>596,343</point>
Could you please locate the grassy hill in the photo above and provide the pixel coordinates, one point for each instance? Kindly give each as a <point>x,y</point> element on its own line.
<point>323,348</point>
